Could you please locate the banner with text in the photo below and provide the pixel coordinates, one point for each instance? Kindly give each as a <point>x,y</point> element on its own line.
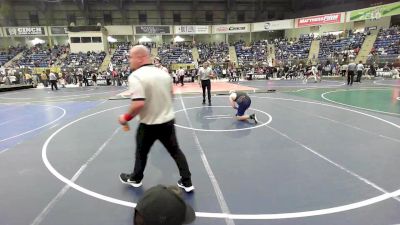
<point>1,32</point>
<point>320,20</point>
<point>146,29</point>
<point>25,31</point>
<point>231,28</point>
<point>191,29</point>
<point>62,31</point>
<point>375,12</point>
<point>273,25</point>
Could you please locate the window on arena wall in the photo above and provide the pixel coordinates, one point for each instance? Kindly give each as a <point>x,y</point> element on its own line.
<point>86,40</point>
<point>34,19</point>
<point>209,16</point>
<point>240,16</point>
<point>96,39</point>
<point>142,17</point>
<point>75,40</point>
<point>107,17</point>
<point>177,17</point>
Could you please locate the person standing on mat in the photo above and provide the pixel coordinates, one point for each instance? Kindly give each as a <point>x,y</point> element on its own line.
<point>351,71</point>
<point>241,101</point>
<point>205,74</point>
<point>151,94</point>
<point>360,69</point>
<point>53,81</point>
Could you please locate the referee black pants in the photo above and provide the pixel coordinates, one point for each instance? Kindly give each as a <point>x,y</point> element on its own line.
<point>350,77</point>
<point>206,84</point>
<point>53,84</point>
<point>146,136</point>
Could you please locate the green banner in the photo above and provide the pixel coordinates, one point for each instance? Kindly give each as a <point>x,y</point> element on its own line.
<point>375,12</point>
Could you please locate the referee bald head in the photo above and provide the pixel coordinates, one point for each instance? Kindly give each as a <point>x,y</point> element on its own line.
<point>139,56</point>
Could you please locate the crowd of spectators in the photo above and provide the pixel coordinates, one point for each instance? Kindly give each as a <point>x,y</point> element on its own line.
<point>40,56</point>
<point>87,61</point>
<point>9,53</point>
<point>387,42</point>
<point>216,52</point>
<point>255,52</point>
<point>294,49</point>
<point>180,52</point>
<point>331,46</point>
<point>120,57</point>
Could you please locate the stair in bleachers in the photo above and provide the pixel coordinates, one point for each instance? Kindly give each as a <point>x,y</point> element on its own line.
<point>271,54</point>
<point>195,54</point>
<point>232,55</point>
<point>106,61</point>
<point>18,56</point>
<point>314,51</point>
<point>154,52</point>
<point>366,48</point>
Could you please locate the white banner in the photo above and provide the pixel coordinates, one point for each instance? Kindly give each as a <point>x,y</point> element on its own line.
<point>25,31</point>
<point>231,28</point>
<point>273,25</point>
<point>191,29</point>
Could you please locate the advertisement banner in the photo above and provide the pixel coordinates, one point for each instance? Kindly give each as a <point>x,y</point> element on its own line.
<point>1,32</point>
<point>273,25</point>
<point>59,30</point>
<point>191,29</point>
<point>25,31</point>
<point>320,20</point>
<point>145,29</point>
<point>231,28</point>
<point>375,12</point>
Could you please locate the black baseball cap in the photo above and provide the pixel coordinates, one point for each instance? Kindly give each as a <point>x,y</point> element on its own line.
<point>162,205</point>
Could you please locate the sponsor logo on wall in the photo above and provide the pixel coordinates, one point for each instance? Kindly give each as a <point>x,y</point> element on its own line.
<point>152,30</point>
<point>25,31</point>
<point>319,20</point>
<point>374,12</point>
<point>192,29</point>
<point>273,25</point>
<point>231,28</point>
<point>59,30</point>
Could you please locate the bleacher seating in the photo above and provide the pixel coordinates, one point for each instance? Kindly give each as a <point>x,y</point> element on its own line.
<point>300,49</point>
<point>331,45</point>
<point>86,61</point>
<point>40,56</point>
<point>216,52</point>
<point>387,42</point>
<point>8,54</point>
<point>120,57</point>
<point>175,53</point>
<point>255,52</point>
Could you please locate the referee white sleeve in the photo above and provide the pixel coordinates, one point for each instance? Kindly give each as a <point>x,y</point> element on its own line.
<point>136,89</point>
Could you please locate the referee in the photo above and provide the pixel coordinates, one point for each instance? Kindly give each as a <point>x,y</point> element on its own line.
<point>205,73</point>
<point>151,93</point>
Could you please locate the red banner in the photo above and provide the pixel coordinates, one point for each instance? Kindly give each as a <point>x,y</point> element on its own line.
<point>319,20</point>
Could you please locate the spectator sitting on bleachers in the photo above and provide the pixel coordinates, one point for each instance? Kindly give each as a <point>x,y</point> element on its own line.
<point>216,52</point>
<point>180,52</point>
<point>88,61</point>
<point>387,41</point>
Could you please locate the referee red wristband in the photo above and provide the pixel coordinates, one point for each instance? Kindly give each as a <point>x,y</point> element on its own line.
<point>127,117</point>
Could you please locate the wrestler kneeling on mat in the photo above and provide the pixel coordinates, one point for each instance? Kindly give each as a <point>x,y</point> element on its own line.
<point>241,101</point>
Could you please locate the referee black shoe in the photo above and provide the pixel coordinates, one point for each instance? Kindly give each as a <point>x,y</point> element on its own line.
<point>188,187</point>
<point>125,178</point>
